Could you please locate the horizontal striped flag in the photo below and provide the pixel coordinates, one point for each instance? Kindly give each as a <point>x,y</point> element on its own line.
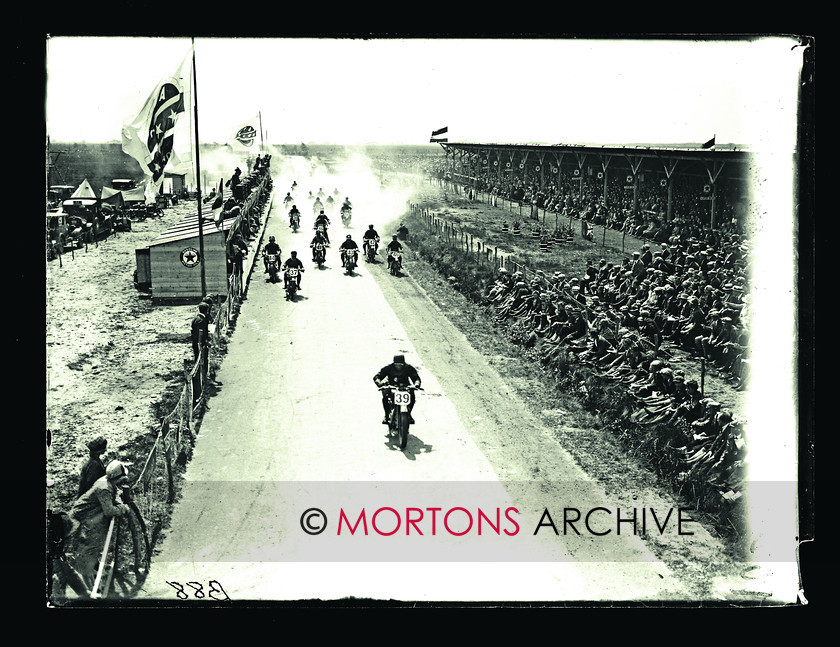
<point>440,131</point>
<point>710,143</point>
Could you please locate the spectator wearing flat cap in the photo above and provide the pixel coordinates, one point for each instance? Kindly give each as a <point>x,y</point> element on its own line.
<point>93,469</point>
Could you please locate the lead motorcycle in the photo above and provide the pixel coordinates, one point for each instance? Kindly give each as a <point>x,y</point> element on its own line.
<point>399,419</point>
<point>346,215</point>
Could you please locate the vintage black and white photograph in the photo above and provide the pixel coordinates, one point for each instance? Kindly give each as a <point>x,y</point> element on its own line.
<point>365,321</point>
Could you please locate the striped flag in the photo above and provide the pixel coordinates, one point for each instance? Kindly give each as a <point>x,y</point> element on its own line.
<point>440,131</point>
<point>710,143</point>
<point>160,136</point>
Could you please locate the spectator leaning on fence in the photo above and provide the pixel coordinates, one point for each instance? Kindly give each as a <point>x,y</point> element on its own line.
<point>93,512</point>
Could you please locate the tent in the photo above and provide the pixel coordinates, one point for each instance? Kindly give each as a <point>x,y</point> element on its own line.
<point>83,198</point>
<point>117,196</point>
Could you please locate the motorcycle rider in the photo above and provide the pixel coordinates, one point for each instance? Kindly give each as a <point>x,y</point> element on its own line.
<point>271,248</point>
<point>371,237</point>
<point>322,219</point>
<point>397,374</point>
<point>294,212</point>
<point>349,243</point>
<point>395,246</point>
<point>288,198</point>
<point>292,261</point>
<point>319,238</point>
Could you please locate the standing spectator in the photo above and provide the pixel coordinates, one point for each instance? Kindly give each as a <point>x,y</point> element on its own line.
<point>236,250</point>
<point>200,335</point>
<point>93,468</point>
<point>93,512</point>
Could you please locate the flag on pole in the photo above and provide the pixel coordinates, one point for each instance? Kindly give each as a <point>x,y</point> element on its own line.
<point>440,131</point>
<point>710,143</point>
<point>244,138</point>
<point>218,203</point>
<point>160,134</point>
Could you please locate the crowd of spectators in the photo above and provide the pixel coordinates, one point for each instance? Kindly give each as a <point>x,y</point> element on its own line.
<point>625,320</point>
<point>640,212</point>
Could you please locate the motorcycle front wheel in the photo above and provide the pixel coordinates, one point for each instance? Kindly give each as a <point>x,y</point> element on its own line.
<point>402,429</point>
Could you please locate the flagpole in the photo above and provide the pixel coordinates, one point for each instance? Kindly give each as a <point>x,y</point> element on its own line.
<point>259,114</point>
<point>198,176</point>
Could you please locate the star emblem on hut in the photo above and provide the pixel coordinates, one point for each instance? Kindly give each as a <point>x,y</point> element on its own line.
<point>190,257</point>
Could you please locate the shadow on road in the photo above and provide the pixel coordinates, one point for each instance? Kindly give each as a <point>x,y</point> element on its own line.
<point>413,447</point>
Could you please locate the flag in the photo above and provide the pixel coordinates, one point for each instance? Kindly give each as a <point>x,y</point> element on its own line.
<point>440,131</point>
<point>710,143</point>
<point>244,138</point>
<point>218,203</point>
<point>435,140</point>
<point>160,134</point>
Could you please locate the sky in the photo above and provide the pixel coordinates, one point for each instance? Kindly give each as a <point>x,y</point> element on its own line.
<point>396,91</point>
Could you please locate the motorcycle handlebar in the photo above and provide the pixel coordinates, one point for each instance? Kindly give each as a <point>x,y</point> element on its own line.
<point>411,387</point>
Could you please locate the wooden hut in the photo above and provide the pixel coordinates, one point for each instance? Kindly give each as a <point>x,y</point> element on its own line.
<point>171,264</point>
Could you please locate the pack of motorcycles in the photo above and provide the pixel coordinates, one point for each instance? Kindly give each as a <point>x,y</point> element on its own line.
<point>291,282</point>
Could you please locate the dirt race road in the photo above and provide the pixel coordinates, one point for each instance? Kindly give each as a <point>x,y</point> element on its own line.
<point>296,425</point>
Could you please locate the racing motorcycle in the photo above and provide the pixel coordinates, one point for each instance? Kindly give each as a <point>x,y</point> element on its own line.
<point>399,420</point>
<point>291,283</point>
<point>346,214</point>
<point>273,266</point>
<point>394,262</point>
<point>370,245</point>
<point>319,253</point>
<point>348,259</point>
<point>323,229</point>
<point>294,222</point>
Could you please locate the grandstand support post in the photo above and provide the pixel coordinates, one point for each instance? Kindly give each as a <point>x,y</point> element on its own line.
<point>623,236</point>
<point>702,375</point>
<point>604,238</point>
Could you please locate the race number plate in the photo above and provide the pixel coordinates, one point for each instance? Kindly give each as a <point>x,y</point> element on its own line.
<point>292,271</point>
<point>402,398</point>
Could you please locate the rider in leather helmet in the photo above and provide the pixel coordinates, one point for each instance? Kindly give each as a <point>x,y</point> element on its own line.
<point>397,373</point>
<point>349,243</point>
<point>270,248</point>
<point>292,261</point>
